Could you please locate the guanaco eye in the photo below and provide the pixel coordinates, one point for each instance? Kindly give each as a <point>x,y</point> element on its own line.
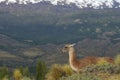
<point>65,47</point>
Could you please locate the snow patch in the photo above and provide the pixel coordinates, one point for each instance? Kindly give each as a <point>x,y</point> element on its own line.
<point>80,3</point>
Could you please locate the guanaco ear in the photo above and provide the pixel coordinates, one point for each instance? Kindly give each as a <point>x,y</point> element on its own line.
<point>73,44</point>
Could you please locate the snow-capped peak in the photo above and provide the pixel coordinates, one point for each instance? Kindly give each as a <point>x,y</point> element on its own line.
<point>79,3</point>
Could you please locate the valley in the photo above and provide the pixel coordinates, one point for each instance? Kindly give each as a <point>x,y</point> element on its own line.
<point>38,31</point>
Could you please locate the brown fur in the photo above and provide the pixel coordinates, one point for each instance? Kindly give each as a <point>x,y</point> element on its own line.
<point>109,59</point>
<point>89,60</point>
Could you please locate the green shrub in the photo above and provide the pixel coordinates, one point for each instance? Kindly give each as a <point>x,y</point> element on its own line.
<point>81,77</point>
<point>17,74</point>
<point>24,71</point>
<point>114,77</point>
<point>5,78</point>
<point>105,68</point>
<point>4,73</point>
<point>57,71</point>
<point>117,60</point>
<point>25,78</point>
<point>40,70</point>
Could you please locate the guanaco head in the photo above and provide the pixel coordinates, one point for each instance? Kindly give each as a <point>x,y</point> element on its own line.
<point>67,47</point>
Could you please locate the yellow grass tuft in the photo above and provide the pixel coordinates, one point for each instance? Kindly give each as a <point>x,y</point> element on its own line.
<point>57,71</point>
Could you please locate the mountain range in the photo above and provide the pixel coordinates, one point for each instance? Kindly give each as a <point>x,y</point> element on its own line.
<point>79,3</point>
<point>32,30</point>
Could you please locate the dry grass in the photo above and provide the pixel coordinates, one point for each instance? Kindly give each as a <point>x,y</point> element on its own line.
<point>4,54</point>
<point>33,52</point>
<point>57,71</point>
<point>114,77</point>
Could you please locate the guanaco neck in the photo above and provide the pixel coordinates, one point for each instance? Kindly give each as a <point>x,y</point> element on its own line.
<point>72,55</point>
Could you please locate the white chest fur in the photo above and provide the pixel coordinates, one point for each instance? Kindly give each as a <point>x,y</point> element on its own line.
<point>72,66</point>
<point>71,59</point>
